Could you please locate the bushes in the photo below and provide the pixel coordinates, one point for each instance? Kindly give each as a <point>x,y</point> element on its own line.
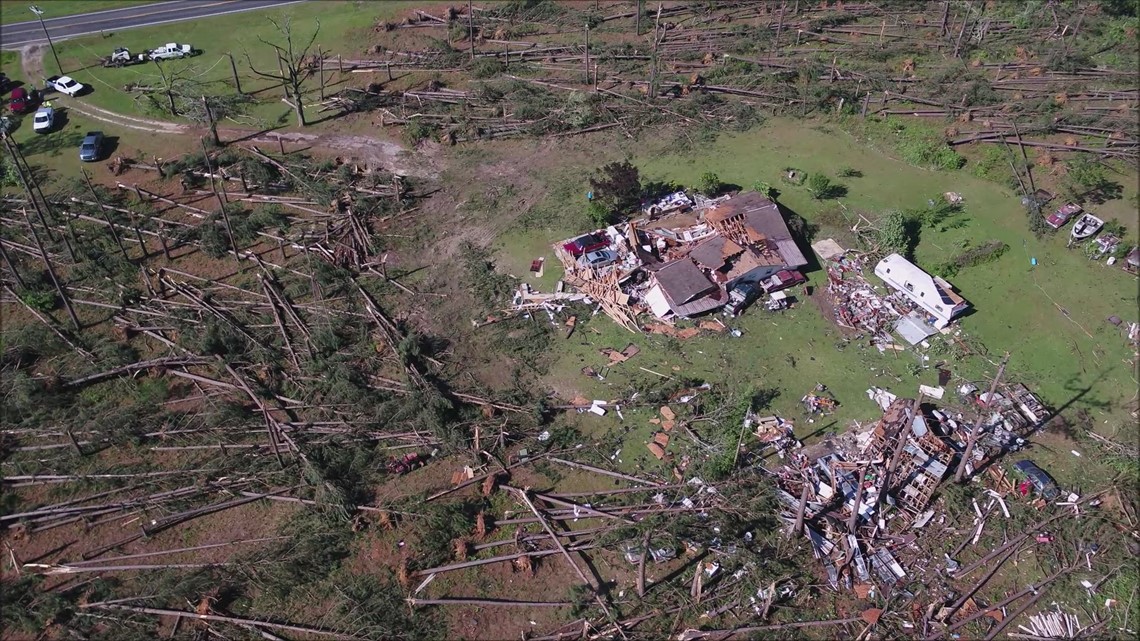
<point>39,300</point>
<point>418,131</point>
<point>598,213</point>
<point>929,151</point>
<point>1035,220</point>
<point>987,253</point>
<point>486,68</point>
<point>918,145</point>
<point>937,211</point>
<point>709,183</point>
<point>765,189</point>
<point>994,166</point>
<point>822,188</point>
<point>486,283</point>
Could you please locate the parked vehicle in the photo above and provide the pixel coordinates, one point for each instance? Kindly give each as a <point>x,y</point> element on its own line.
<point>1057,219</point>
<point>91,147</point>
<point>44,120</point>
<point>5,83</point>
<point>171,50</point>
<point>740,297</point>
<point>23,101</point>
<point>782,280</point>
<point>585,244</point>
<point>1086,227</point>
<point>66,85</point>
<point>1039,478</point>
<point>600,258</point>
<point>122,57</point>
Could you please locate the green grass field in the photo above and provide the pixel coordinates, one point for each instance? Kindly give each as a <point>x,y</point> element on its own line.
<point>1050,317</point>
<point>344,28</point>
<point>1013,301</point>
<point>12,11</point>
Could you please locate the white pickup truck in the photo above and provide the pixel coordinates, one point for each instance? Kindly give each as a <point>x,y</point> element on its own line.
<point>170,51</point>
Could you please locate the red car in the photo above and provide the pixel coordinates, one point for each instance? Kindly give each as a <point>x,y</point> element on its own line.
<point>22,102</point>
<point>586,244</point>
<point>1057,219</point>
<point>782,280</point>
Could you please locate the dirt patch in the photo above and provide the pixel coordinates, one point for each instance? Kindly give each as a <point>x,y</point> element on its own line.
<point>822,300</point>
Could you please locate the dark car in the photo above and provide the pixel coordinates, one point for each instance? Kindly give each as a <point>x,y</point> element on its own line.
<point>1044,484</point>
<point>586,244</point>
<point>5,83</point>
<point>91,146</point>
<point>23,101</point>
<point>783,280</point>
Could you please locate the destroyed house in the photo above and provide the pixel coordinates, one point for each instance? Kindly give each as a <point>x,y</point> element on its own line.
<point>752,241</point>
<point>923,459</point>
<point>931,294</point>
<point>682,289</point>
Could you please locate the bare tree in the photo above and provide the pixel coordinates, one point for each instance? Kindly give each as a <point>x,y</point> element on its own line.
<point>176,88</point>
<point>291,65</point>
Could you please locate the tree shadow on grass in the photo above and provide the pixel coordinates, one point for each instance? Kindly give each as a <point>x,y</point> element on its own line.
<point>331,117</point>
<point>52,144</point>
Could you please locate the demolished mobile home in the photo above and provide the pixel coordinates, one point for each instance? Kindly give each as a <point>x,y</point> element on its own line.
<point>855,496</point>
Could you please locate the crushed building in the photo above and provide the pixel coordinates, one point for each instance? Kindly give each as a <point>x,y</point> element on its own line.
<point>684,258</point>
<point>856,495</point>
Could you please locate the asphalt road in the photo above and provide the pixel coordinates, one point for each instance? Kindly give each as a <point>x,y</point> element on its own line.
<point>14,36</point>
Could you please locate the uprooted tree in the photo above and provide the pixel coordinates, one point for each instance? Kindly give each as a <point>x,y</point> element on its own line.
<point>292,68</point>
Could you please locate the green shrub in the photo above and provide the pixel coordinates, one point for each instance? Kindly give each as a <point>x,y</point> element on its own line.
<point>599,214</point>
<point>709,183</point>
<point>418,131</point>
<point>1114,227</point>
<point>764,188</point>
<point>487,68</point>
<point>822,188</point>
<point>39,300</point>
<point>918,145</point>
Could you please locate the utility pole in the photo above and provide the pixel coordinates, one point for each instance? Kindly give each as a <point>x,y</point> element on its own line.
<point>973,438</point>
<point>40,14</point>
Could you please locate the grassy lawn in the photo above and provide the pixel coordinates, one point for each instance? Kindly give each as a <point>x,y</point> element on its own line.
<point>1050,317</point>
<point>57,153</point>
<point>10,65</point>
<point>12,11</point>
<point>1012,300</point>
<point>344,29</point>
